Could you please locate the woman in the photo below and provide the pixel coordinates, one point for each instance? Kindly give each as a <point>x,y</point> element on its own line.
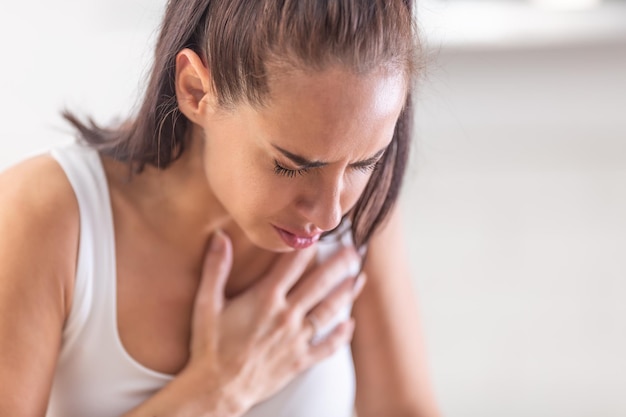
<point>195,260</point>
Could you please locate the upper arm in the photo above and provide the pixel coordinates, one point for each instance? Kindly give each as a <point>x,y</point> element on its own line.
<point>39,224</point>
<point>390,362</point>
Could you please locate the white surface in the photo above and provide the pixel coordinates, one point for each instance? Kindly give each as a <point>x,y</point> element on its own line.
<point>505,24</point>
<point>515,203</point>
<point>88,56</point>
<point>517,212</point>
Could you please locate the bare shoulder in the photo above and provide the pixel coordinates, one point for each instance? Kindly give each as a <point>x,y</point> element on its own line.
<point>387,248</point>
<point>39,217</point>
<point>387,347</point>
<point>39,229</point>
<point>39,220</point>
<point>38,184</point>
<point>38,202</point>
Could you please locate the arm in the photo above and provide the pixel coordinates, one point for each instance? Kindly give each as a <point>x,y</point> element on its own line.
<point>39,236</point>
<point>390,362</point>
<point>242,350</point>
<point>38,245</point>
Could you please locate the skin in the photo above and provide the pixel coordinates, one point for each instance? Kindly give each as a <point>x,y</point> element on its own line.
<point>163,221</point>
<point>334,117</point>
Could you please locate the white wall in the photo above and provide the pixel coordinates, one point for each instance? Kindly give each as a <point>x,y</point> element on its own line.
<point>88,56</point>
<point>515,205</point>
<point>517,208</point>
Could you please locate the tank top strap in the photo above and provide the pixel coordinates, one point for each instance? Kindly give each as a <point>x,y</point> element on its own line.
<point>96,252</point>
<point>95,376</point>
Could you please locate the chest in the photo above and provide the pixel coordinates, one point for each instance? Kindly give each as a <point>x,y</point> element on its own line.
<point>150,284</point>
<point>156,284</point>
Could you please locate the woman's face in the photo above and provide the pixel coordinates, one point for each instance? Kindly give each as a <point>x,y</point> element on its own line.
<point>290,170</point>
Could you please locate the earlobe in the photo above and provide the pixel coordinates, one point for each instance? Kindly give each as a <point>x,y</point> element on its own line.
<point>194,92</point>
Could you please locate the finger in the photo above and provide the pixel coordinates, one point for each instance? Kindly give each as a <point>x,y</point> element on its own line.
<point>340,336</point>
<point>320,282</point>
<point>288,269</point>
<point>345,293</point>
<point>216,268</point>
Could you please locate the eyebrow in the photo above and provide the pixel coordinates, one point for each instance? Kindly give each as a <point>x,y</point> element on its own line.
<point>305,163</point>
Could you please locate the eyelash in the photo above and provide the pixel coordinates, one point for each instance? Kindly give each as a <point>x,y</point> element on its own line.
<point>286,172</point>
<point>292,173</point>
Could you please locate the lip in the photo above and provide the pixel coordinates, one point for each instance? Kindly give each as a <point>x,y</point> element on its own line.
<point>297,241</point>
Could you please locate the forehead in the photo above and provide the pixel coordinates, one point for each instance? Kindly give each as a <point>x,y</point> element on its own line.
<point>333,113</point>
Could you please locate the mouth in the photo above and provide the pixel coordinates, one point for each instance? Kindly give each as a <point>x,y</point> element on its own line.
<point>297,241</point>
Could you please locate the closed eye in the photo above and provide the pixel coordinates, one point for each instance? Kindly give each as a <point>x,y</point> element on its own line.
<point>298,172</point>
<point>366,168</point>
<point>287,172</point>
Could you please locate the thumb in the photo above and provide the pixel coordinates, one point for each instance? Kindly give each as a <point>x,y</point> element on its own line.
<point>217,265</point>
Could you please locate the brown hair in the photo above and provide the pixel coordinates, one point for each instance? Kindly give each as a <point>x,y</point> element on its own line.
<point>239,40</point>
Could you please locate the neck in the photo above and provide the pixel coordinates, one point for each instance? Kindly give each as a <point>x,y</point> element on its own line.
<point>177,198</point>
<point>176,210</point>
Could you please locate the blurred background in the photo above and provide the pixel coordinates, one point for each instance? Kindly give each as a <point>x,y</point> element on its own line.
<point>516,198</point>
<point>517,206</point>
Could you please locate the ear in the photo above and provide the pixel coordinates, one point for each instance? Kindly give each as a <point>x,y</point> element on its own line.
<point>194,91</point>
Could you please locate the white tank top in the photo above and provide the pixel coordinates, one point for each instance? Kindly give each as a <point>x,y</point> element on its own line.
<point>96,377</point>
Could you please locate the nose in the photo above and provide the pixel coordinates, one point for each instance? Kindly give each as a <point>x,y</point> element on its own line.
<point>321,205</point>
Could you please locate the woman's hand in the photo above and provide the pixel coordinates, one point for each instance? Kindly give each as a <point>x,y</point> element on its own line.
<point>251,346</point>
<point>247,348</point>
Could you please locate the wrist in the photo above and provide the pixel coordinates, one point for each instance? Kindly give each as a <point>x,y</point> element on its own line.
<point>213,394</point>
<point>193,394</point>
<point>209,395</point>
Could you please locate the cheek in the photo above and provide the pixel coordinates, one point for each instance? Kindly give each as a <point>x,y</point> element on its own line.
<point>244,185</point>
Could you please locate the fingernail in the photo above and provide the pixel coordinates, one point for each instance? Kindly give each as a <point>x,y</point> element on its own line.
<point>359,283</point>
<point>217,241</point>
